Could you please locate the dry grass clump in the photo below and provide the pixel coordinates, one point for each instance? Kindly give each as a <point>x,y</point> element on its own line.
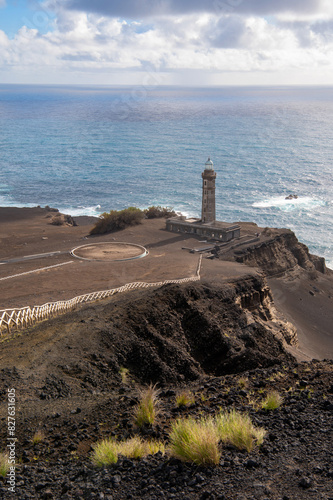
<point>195,441</point>
<point>124,373</point>
<point>4,464</point>
<point>185,398</point>
<point>243,382</point>
<point>138,448</point>
<point>272,401</point>
<point>106,452</point>
<point>237,429</point>
<point>38,437</point>
<point>147,408</point>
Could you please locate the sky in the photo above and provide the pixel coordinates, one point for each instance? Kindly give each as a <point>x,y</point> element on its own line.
<point>167,42</point>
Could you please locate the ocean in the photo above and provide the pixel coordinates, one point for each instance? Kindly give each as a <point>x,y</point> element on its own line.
<point>90,149</point>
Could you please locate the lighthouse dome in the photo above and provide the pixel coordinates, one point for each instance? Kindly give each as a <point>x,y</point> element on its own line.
<point>209,165</point>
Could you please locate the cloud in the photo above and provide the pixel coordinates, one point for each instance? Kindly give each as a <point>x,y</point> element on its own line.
<point>85,45</point>
<point>137,9</point>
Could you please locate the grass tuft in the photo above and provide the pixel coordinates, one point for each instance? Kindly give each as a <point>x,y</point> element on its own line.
<point>185,398</point>
<point>243,382</point>
<point>38,437</point>
<point>136,447</point>
<point>124,373</point>
<point>195,441</point>
<point>132,448</point>
<point>105,453</point>
<point>237,429</point>
<point>4,464</point>
<point>147,410</point>
<point>272,401</point>
<point>154,447</point>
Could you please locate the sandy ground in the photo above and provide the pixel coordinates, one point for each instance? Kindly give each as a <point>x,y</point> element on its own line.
<point>36,267</point>
<point>27,278</point>
<point>109,251</point>
<point>308,304</point>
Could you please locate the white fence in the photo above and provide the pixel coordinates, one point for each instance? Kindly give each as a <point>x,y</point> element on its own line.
<point>25,316</point>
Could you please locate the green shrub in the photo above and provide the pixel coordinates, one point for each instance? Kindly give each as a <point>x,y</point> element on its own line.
<point>105,453</point>
<point>272,401</point>
<point>184,398</point>
<point>237,429</point>
<point>155,212</point>
<point>117,219</point>
<point>4,464</point>
<point>195,441</point>
<point>147,409</point>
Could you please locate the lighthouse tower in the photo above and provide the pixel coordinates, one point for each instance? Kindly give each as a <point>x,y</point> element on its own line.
<point>208,192</point>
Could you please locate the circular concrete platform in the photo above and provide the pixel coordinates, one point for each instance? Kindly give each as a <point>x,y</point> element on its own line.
<point>111,252</point>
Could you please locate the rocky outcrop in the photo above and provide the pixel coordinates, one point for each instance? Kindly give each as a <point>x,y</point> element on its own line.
<point>181,332</point>
<point>173,334</point>
<point>279,254</point>
<point>62,219</point>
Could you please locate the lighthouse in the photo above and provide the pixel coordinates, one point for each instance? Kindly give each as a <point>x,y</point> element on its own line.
<point>208,192</point>
<point>207,226</point>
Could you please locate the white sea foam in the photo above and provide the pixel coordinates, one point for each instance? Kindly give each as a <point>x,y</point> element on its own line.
<point>94,211</point>
<point>6,201</point>
<point>329,263</point>
<point>280,202</point>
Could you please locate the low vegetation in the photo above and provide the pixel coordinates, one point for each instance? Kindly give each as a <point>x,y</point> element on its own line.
<point>124,373</point>
<point>243,382</point>
<point>38,437</point>
<point>272,401</point>
<point>184,398</point>
<point>115,220</point>
<point>4,464</point>
<point>106,452</point>
<point>190,440</point>
<point>237,429</point>
<point>195,441</point>
<point>147,408</point>
<point>155,212</point>
<point>136,447</point>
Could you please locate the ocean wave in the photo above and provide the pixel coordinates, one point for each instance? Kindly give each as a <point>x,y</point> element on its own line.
<point>94,211</point>
<point>280,202</point>
<point>7,201</point>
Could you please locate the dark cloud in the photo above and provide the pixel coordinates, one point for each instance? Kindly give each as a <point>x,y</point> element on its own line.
<point>80,56</point>
<point>308,33</point>
<point>228,32</point>
<point>146,8</point>
<point>323,27</point>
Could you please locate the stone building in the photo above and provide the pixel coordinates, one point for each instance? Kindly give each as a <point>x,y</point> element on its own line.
<point>208,192</point>
<point>207,226</point>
